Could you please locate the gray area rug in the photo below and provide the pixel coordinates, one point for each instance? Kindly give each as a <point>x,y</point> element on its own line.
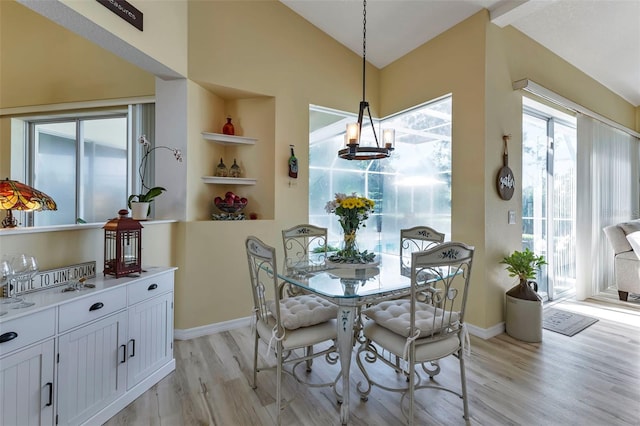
<point>565,322</point>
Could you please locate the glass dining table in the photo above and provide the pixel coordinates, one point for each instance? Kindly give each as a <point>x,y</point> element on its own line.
<point>349,286</point>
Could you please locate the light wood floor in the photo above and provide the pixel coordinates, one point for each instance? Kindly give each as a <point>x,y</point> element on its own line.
<point>592,378</point>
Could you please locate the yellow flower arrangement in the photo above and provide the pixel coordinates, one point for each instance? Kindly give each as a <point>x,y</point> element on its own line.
<point>352,212</point>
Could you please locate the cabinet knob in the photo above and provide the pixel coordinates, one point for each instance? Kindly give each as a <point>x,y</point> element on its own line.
<point>96,306</point>
<point>8,336</point>
<point>152,287</point>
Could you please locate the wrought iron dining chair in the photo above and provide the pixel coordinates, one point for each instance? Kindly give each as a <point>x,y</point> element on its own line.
<point>421,332</point>
<point>287,326</point>
<point>304,246</point>
<point>418,238</point>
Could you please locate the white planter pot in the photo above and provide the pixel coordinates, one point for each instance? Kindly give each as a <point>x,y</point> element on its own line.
<point>139,211</point>
<point>524,319</point>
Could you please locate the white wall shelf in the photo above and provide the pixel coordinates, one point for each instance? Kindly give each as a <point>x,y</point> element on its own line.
<point>228,180</point>
<point>228,139</point>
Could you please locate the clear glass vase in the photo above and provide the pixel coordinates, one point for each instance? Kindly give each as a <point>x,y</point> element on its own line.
<point>349,248</point>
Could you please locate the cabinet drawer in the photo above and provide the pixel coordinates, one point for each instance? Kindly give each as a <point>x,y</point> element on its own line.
<point>26,330</point>
<point>150,287</point>
<point>91,308</point>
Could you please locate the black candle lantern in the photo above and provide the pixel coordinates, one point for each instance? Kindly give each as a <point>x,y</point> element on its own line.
<point>122,245</point>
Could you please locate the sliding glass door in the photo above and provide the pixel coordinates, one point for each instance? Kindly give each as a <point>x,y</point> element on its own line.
<point>549,195</point>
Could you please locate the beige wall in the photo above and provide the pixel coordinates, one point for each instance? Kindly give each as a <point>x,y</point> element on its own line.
<point>84,244</point>
<point>528,59</point>
<point>264,65</point>
<point>454,63</point>
<point>257,65</point>
<point>34,75</point>
<point>33,72</point>
<point>164,37</point>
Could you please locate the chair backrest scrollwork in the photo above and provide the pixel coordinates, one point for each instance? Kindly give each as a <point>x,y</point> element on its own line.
<point>418,238</point>
<point>304,244</point>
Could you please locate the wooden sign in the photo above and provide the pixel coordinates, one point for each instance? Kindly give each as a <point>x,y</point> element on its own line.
<point>506,183</point>
<point>125,10</point>
<point>55,277</point>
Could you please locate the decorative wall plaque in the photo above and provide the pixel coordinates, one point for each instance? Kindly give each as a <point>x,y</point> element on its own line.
<point>125,10</point>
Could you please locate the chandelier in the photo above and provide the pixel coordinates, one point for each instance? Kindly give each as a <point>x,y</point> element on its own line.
<point>353,150</point>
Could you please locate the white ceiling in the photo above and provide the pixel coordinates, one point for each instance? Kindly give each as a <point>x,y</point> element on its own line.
<point>599,37</point>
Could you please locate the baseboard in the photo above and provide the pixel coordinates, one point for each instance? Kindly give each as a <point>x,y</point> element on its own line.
<point>486,333</point>
<point>205,330</point>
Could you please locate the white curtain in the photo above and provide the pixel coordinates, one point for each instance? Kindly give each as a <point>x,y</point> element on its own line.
<point>608,193</point>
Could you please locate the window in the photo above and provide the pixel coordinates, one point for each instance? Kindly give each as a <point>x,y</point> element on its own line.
<point>411,188</point>
<point>84,162</point>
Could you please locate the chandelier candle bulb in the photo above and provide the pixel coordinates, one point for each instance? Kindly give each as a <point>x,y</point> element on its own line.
<point>388,138</point>
<point>353,133</point>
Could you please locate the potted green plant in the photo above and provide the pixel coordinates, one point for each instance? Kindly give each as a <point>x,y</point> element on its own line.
<point>139,204</point>
<point>524,265</point>
<point>523,313</point>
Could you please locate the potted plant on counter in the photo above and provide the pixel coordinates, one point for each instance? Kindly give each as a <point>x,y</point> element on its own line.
<point>523,303</point>
<point>139,204</point>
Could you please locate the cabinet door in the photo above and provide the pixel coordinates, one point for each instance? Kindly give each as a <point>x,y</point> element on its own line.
<point>150,343</point>
<point>26,386</point>
<point>91,368</point>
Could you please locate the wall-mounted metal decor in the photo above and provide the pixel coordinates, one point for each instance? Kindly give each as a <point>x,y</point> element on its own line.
<point>506,182</point>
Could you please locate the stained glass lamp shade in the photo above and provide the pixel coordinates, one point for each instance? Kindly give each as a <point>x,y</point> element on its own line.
<point>18,196</point>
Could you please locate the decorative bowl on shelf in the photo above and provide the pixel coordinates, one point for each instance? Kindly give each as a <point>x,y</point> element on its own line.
<point>231,208</point>
<point>231,203</point>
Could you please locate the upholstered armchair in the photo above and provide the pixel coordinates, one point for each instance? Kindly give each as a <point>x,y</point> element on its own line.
<point>626,262</point>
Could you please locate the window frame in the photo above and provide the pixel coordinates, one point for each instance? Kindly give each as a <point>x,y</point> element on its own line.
<point>321,132</point>
<point>140,119</point>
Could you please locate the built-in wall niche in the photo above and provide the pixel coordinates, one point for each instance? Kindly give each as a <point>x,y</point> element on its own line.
<point>228,178</point>
<point>252,147</point>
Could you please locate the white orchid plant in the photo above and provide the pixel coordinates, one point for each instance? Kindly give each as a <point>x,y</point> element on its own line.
<point>148,194</point>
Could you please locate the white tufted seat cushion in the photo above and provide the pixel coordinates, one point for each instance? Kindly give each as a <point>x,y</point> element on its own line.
<point>395,315</point>
<point>303,311</point>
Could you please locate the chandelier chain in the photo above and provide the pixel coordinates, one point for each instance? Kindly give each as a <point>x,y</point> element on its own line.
<point>364,30</point>
<point>364,46</point>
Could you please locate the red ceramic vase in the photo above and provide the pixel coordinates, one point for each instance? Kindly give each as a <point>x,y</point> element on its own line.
<point>228,129</point>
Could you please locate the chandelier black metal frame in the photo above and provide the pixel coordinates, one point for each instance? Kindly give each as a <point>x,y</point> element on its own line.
<point>353,149</point>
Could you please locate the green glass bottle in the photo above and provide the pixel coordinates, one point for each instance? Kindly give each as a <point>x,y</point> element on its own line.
<point>293,164</point>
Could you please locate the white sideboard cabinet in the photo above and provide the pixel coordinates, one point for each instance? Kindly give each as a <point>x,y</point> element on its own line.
<point>80,357</point>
